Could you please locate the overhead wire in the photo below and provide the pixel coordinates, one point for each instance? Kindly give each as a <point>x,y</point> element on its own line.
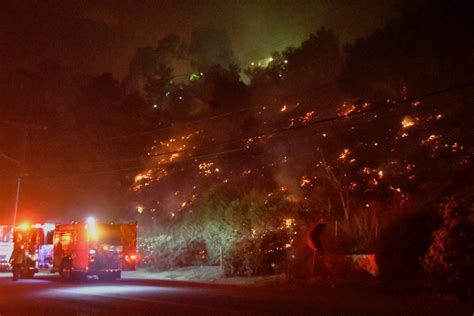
<point>283,130</point>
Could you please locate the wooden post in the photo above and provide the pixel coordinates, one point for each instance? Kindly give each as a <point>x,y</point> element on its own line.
<point>376,228</point>
<point>313,262</point>
<point>221,258</point>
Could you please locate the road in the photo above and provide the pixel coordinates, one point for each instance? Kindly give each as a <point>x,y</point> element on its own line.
<point>48,295</point>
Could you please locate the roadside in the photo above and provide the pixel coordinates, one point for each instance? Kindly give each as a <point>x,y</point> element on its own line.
<point>201,274</point>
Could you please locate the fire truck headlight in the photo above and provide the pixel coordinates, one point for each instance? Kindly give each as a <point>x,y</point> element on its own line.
<point>24,226</point>
<point>92,251</point>
<point>90,220</point>
<point>133,257</point>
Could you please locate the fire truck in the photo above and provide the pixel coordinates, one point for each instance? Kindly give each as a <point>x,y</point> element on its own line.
<point>6,247</point>
<point>34,240</point>
<point>88,249</point>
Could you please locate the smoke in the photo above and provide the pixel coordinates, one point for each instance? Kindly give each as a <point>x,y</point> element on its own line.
<point>210,46</point>
<point>289,184</point>
<point>153,63</point>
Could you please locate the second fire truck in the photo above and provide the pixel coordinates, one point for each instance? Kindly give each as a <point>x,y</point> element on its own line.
<point>91,249</point>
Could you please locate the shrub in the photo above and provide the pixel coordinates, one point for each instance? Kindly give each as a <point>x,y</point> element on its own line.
<point>358,233</point>
<point>261,255</point>
<point>164,252</point>
<point>450,259</point>
<point>402,244</point>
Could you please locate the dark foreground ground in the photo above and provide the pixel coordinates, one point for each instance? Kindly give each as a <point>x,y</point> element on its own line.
<point>47,295</point>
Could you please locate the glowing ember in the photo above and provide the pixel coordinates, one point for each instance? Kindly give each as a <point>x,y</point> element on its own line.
<point>246,172</point>
<point>142,180</point>
<point>407,122</point>
<point>344,154</point>
<point>307,117</point>
<point>174,156</point>
<point>430,139</point>
<point>205,165</point>
<point>367,170</point>
<point>143,176</point>
<point>374,182</point>
<point>304,181</point>
<point>284,108</point>
<point>289,222</point>
<point>346,109</point>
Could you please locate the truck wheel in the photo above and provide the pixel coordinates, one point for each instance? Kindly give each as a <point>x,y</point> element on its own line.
<point>16,273</point>
<point>28,275</point>
<point>66,270</point>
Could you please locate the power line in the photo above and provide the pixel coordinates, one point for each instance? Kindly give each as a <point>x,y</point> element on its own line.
<point>324,120</point>
<point>217,116</point>
<point>282,130</point>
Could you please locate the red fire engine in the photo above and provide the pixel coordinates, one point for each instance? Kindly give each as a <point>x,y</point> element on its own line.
<point>34,240</point>
<point>91,249</point>
<point>6,247</point>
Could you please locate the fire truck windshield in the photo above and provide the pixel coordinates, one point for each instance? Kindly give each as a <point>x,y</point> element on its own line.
<point>34,235</point>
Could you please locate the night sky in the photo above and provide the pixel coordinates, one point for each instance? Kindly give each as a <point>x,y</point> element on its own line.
<point>100,36</point>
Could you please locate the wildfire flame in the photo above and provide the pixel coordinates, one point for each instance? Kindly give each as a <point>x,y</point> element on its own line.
<point>407,122</point>
<point>346,152</point>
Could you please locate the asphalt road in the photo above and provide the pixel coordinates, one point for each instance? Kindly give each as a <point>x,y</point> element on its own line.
<point>48,295</point>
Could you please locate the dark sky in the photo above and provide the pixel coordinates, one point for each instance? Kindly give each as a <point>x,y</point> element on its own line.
<point>99,36</point>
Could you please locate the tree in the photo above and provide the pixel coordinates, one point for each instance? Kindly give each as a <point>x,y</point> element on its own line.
<point>450,259</point>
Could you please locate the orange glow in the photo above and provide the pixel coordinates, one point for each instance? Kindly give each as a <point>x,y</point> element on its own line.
<point>92,231</point>
<point>24,226</point>
<point>304,181</point>
<point>407,122</point>
<point>380,173</point>
<point>344,154</point>
<point>346,109</point>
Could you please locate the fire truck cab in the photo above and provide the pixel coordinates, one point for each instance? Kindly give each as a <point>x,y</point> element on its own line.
<point>88,249</point>
<point>33,239</point>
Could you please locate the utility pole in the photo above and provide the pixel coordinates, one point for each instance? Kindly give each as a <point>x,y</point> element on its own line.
<point>20,165</point>
<point>17,199</point>
<point>18,184</point>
